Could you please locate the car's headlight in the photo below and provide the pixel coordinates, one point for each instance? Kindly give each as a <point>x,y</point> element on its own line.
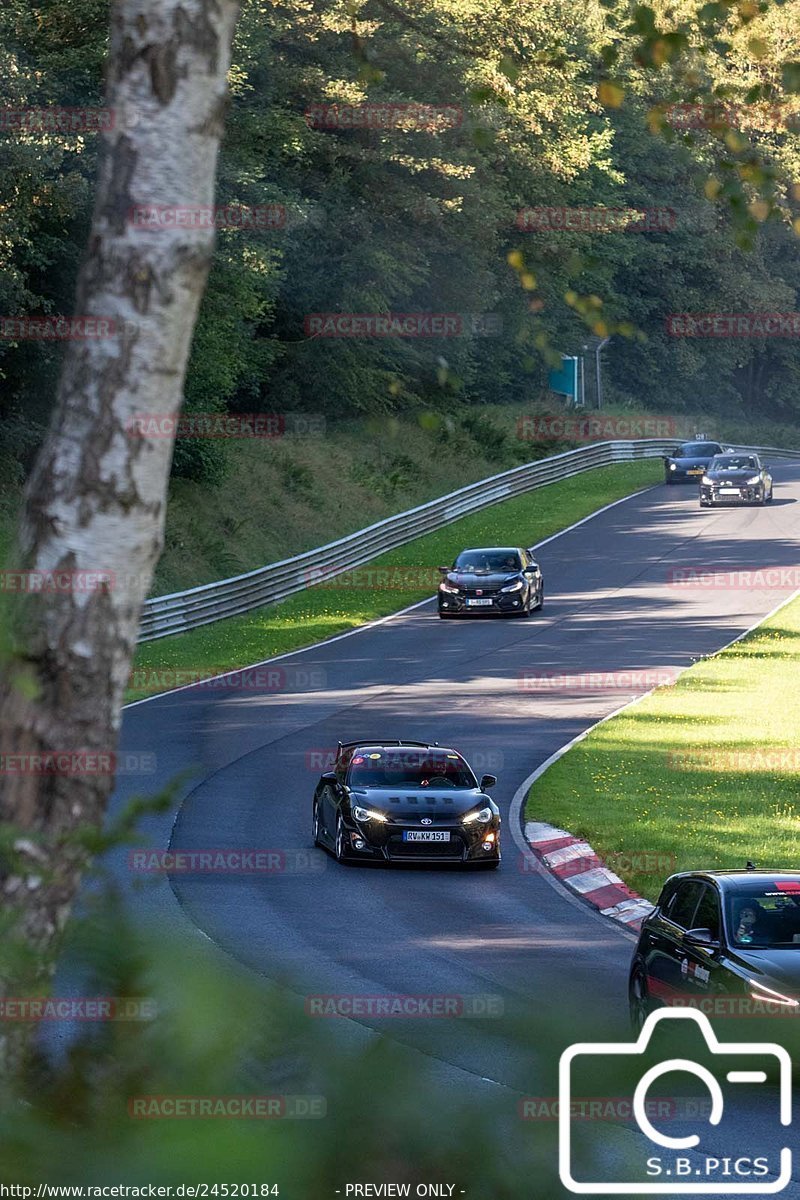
<point>483,815</point>
<point>445,586</point>
<point>368,814</point>
<point>754,479</point>
<point>706,480</point>
<point>672,466</point>
<point>516,586</point>
<point>759,992</point>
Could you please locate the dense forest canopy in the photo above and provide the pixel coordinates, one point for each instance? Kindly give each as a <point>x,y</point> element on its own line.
<point>419,157</point>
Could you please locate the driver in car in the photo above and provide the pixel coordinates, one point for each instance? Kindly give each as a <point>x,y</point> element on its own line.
<point>749,922</point>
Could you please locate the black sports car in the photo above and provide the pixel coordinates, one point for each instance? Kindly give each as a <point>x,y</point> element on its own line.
<point>687,462</point>
<point>499,580</point>
<point>727,943</point>
<point>737,479</point>
<point>405,802</point>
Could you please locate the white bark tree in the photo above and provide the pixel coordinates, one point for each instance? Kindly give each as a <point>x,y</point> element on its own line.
<point>97,496</point>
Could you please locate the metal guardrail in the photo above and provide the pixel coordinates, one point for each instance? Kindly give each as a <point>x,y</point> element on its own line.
<point>180,611</point>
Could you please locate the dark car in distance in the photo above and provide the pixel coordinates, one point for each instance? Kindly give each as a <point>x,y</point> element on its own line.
<point>687,462</point>
<point>735,479</point>
<point>726,943</point>
<point>401,801</point>
<point>499,581</point>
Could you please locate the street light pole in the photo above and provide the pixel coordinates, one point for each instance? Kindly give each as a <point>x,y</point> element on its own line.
<point>597,353</point>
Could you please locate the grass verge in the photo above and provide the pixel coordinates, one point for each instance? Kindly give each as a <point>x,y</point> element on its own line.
<point>704,772</point>
<point>322,612</point>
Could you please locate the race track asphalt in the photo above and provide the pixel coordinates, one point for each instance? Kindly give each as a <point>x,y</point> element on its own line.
<point>255,754</point>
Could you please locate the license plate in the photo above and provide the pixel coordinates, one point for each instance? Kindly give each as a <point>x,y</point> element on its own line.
<point>477,603</point>
<point>729,491</point>
<point>695,471</point>
<point>426,835</point>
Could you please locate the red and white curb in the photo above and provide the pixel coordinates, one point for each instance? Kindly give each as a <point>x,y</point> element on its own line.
<point>575,864</point>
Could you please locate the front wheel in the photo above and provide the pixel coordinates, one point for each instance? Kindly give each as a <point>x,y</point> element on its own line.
<point>315,825</point>
<point>340,841</point>
<point>769,497</point>
<point>762,499</point>
<point>638,1000</point>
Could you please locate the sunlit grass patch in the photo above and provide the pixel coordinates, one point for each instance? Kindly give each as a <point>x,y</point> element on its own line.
<point>703,774</point>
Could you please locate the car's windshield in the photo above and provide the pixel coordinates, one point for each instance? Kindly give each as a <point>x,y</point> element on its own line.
<point>697,450</point>
<point>734,462</point>
<point>404,767</point>
<point>765,916</point>
<point>487,561</point>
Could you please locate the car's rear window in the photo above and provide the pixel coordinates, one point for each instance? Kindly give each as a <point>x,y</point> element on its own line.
<point>765,915</point>
<point>376,767</point>
<point>697,450</point>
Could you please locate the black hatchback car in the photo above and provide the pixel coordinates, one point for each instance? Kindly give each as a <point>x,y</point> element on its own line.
<point>735,479</point>
<point>504,581</point>
<point>405,802</point>
<point>726,943</point>
<point>687,462</point>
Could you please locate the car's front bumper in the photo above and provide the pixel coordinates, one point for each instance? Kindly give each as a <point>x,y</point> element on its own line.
<point>744,494</point>
<point>469,604</point>
<point>464,844</point>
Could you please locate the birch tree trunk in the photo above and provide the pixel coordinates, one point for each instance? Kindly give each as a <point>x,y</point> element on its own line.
<point>96,498</point>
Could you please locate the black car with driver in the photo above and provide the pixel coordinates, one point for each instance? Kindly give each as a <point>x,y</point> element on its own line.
<point>402,801</point>
<point>499,581</point>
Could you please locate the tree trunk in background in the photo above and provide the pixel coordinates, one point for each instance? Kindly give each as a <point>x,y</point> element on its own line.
<point>97,495</point>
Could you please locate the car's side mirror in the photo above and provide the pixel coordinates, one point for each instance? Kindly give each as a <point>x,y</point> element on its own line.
<point>444,570</point>
<point>488,781</point>
<point>701,937</point>
<point>329,777</point>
